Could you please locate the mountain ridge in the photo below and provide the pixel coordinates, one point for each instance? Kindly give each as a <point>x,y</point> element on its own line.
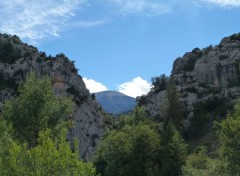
<point>115,102</point>
<point>208,76</point>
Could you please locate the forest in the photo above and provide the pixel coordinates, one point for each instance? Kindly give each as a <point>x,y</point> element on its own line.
<point>33,140</point>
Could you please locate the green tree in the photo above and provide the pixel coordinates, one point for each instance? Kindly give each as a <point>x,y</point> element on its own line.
<point>35,109</point>
<point>5,136</point>
<point>137,117</point>
<point>200,164</point>
<point>133,150</point>
<point>52,156</point>
<point>174,151</point>
<point>174,110</point>
<point>8,53</point>
<point>228,132</point>
<point>159,83</point>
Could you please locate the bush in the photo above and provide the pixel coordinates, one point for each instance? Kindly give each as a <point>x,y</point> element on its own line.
<point>9,54</point>
<point>197,52</point>
<point>7,82</point>
<point>223,57</point>
<point>159,83</point>
<point>190,64</point>
<point>199,164</point>
<point>141,100</point>
<point>191,90</point>
<point>235,37</point>
<point>204,115</point>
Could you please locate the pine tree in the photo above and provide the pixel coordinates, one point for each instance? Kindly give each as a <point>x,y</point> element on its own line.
<point>174,110</point>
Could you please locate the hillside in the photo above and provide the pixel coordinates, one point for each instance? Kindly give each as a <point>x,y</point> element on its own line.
<point>18,59</point>
<point>203,74</point>
<point>208,82</point>
<point>115,102</point>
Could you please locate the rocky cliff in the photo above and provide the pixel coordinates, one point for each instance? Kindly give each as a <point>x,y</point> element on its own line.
<point>17,59</point>
<point>209,74</point>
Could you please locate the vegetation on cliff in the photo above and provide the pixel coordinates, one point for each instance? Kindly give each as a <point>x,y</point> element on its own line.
<point>33,130</point>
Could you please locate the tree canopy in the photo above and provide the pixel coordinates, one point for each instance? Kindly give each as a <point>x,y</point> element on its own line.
<point>33,134</point>
<point>35,109</point>
<point>133,150</point>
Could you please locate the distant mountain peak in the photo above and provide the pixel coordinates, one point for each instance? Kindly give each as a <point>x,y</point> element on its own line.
<point>115,102</point>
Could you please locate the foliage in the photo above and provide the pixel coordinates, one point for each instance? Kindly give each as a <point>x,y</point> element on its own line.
<point>223,57</point>
<point>141,100</point>
<point>235,37</point>
<point>9,54</point>
<point>35,110</point>
<point>5,135</point>
<point>235,81</point>
<point>190,64</point>
<point>204,114</point>
<point>227,163</point>
<point>52,156</point>
<point>174,110</point>
<point>132,150</point>
<point>93,96</point>
<point>228,132</point>
<point>138,116</point>
<point>111,122</point>
<point>7,83</point>
<point>199,122</point>
<point>198,53</point>
<point>199,164</point>
<point>174,151</point>
<point>159,83</point>
<point>34,117</point>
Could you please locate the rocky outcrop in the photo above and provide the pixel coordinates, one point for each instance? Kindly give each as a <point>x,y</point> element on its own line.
<point>201,75</point>
<point>18,59</point>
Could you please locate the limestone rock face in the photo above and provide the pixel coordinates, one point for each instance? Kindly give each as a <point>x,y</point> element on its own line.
<point>88,120</point>
<point>203,74</point>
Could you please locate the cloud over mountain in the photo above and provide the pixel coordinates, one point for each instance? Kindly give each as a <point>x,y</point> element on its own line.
<point>135,87</point>
<point>94,86</point>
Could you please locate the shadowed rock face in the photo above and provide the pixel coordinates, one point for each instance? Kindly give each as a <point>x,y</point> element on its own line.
<point>115,102</point>
<point>14,68</point>
<point>200,75</point>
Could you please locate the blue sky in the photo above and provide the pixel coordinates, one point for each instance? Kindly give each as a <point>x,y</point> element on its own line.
<point>120,44</point>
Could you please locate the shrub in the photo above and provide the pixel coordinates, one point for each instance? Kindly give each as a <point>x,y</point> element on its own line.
<point>191,89</point>
<point>141,100</point>
<point>190,64</point>
<point>235,37</point>
<point>9,54</point>
<point>7,83</point>
<point>159,83</point>
<point>223,57</point>
<point>197,52</point>
<point>204,115</point>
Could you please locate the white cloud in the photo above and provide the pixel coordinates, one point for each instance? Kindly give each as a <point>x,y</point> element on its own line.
<point>88,24</point>
<point>38,19</point>
<point>224,3</point>
<point>94,86</point>
<point>134,88</point>
<point>149,7</point>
